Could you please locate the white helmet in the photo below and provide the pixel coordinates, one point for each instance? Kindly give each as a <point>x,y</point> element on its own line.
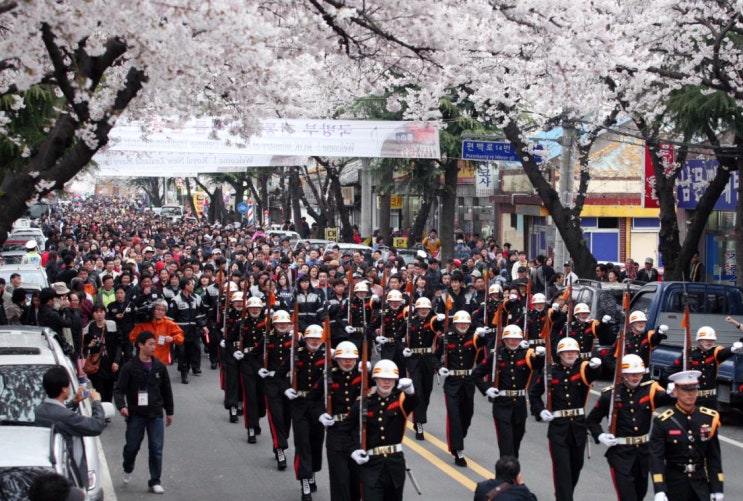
<point>232,286</point>
<point>254,302</point>
<point>495,289</point>
<point>706,333</point>
<point>423,302</point>
<point>581,308</point>
<point>632,364</point>
<point>637,316</point>
<point>361,287</point>
<point>538,299</point>
<point>462,317</point>
<point>567,344</point>
<point>31,245</point>
<point>386,369</point>
<point>512,332</point>
<point>394,295</point>
<point>346,349</point>
<point>313,331</point>
<point>236,296</point>
<point>280,317</point>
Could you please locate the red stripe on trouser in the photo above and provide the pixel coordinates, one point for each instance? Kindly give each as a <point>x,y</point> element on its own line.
<point>448,439</point>
<point>614,481</point>
<point>554,472</point>
<point>271,425</point>
<point>296,466</point>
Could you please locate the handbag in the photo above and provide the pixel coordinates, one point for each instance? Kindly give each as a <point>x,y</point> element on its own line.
<point>92,362</point>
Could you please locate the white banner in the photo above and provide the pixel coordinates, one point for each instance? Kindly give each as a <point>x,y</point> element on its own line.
<point>484,179</point>
<point>327,138</point>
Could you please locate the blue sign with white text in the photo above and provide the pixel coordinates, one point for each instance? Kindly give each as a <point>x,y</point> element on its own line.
<point>491,151</point>
<point>693,179</point>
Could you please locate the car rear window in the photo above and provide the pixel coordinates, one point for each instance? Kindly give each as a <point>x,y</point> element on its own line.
<point>20,391</point>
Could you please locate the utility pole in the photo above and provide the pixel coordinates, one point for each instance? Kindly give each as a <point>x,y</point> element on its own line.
<point>565,186</point>
<point>365,228</point>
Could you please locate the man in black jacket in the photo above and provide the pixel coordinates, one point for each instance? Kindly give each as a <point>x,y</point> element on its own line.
<point>142,393</point>
<point>507,484</point>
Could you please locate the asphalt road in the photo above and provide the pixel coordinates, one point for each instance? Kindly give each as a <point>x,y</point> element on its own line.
<point>206,457</point>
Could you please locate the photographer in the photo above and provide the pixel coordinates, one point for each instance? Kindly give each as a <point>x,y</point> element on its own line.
<point>145,293</point>
<point>54,302</point>
<point>166,331</point>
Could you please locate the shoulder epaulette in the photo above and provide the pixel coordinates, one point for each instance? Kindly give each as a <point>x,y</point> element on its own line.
<point>608,388</point>
<point>708,411</point>
<point>666,414</point>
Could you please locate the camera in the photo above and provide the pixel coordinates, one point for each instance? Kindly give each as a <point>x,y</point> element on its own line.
<point>143,313</point>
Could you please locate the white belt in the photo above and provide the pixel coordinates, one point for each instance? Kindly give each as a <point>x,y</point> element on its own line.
<point>707,393</point>
<point>302,393</point>
<point>340,417</point>
<point>642,439</point>
<point>389,339</point>
<point>568,413</point>
<point>536,342</point>
<point>248,350</point>
<point>512,393</point>
<point>462,372</point>
<point>383,450</point>
<point>585,355</point>
<point>421,350</point>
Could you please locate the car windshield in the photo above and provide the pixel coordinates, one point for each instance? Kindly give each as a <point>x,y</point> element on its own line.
<point>16,481</point>
<point>14,245</point>
<point>171,211</point>
<point>35,277</point>
<point>20,391</point>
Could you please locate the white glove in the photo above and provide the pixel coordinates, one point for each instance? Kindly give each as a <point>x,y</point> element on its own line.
<point>716,496</point>
<point>223,344</point>
<point>546,416</point>
<point>350,329</point>
<point>594,363</point>
<point>660,496</point>
<point>291,393</point>
<point>524,344</point>
<point>407,352</point>
<point>406,384</point>
<point>606,319</point>
<point>608,439</point>
<point>368,366</point>
<point>671,389</point>
<point>326,419</point>
<point>443,372</point>
<point>440,317</point>
<point>540,351</point>
<point>381,339</point>
<point>482,330</point>
<point>374,298</point>
<point>555,306</point>
<point>492,392</point>
<point>737,347</point>
<point>360,456</point>
<point>663,329</point>
<point>263,373</point>
<point>513,297</point>
<point>238,355</point>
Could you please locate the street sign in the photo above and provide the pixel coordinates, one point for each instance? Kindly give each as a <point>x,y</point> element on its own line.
<point>492,151</point>
<point>331,234</point>
<point>400,242</point>
<point>242,208</point>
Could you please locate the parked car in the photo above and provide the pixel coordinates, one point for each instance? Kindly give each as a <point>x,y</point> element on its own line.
<point>343,248</point>
<point>13,250</point>
<point>709,304</point>
<point>172,212</point>
<point>32,277</point>
<point>26,353</point>
<point>314,243</point>
<point>27,234</point>
<point>293,236</point>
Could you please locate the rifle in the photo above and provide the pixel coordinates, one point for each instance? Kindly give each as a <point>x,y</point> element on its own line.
<point>498,338</point>
<point>269,308</point>
<point>243,314</point>
<point>327,383</point>
<point>485,305</point>
<point>526,306</point>
<point>220,279</point>
<point>409,292</point>
<point>447,308</point>
<point>349,277</point>
<point>686,324</point>
<point>364,390</point>
<point>568,297</point>
<point>295,337</point>
<point>619,355</point>
<point>548,370</point>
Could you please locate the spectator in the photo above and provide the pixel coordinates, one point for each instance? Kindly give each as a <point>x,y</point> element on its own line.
<point>648,273</point>
<point>508,484</point>
<point>16,310</point>
<point>432,243</point>
<point>142,395</point>
<point>54,411</point>
<point>696,269</point>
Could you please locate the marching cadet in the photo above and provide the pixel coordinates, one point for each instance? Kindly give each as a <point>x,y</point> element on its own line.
<point>389,325</point>
<point>459,351</point>
<point>421,338</point>
<point>309,433</point>
<point>640,341</point>
<point>634,403</point>
<point>567,391</point>
<point>516,364</point>
<point>685,460</point>
<point>231,346</point>
<point>358,314</point>
<point>585,331</point>
<point>252,333</point>
<point>706,358</point>
<point>536,318</point>
<point>276,349</point>
<point>514,308</point>
<point>490,309</point>
<point>341,440</point>
<point>382,464</point>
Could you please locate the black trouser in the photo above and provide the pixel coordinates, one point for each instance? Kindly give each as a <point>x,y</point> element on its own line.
<point>232,387</point>
<point>189,356</point>
<point>213,345</point>
<point>566,448</point>
<point>104,383</point>
<point>420,370</point>
<point>309,435</point>
<point>629,470</point>
<point>279,413</point>
<point>254,405</point>
<point>393,351</point>
<point>343,471</point>
<point>509,415</point>
<point>684,487</point>
<point>459,398</point>
<point>383,478</point>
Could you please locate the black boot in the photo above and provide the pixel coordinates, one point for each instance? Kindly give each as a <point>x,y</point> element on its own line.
<point>184,377</point>
<point>313,485</point>
<point>419,431</point>
<point>281,459</point>
<point>306,492</point>
<point>233,414</point>
<point>251,436</point>
<point>459,459</point>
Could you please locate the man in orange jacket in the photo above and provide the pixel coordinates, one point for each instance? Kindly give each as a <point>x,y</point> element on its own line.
<point>165,330</point>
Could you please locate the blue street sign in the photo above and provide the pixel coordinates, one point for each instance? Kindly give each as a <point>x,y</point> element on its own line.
<point>242,208</point>
<point>491,151</point>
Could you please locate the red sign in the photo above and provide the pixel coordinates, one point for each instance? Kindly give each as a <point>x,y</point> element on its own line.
<point>649,198</point>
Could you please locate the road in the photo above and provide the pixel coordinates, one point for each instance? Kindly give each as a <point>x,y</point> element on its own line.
<point>206,457</point>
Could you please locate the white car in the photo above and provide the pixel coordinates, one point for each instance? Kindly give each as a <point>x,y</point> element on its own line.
<point>26,353</point>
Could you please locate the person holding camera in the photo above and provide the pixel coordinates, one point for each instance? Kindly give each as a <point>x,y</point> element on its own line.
<point>166,331</point>
<point>101,341</point>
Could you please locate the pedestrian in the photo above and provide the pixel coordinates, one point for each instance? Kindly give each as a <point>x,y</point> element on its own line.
<point>63,416</point>
<point>167,332</point>
<point>382,463</point>
<point>508,484</point>
<point>648,273</point>
<point>627,451</point>
<point>685,459</point>
<point>696,269</point>
<point>101,339</point>
<point>188,312</point>
<point>143,394</point>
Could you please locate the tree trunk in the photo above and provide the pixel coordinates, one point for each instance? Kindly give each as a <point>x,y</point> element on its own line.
<point>386,178</point>
<point>296,192</point>
<point>189,197</point>
<point>448,209</point>
<point>217,209</point>
<point>419,223</point>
